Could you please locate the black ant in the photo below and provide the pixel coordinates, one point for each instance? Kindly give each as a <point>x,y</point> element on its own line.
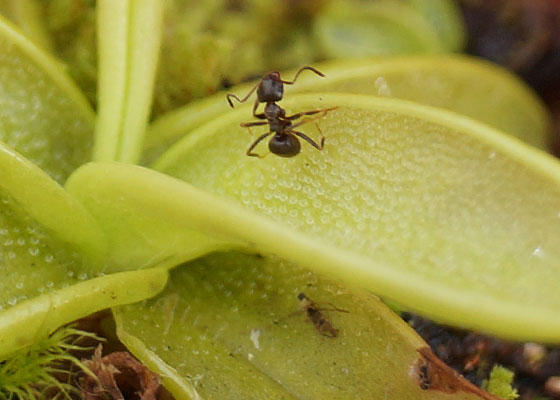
<point>284,143</point>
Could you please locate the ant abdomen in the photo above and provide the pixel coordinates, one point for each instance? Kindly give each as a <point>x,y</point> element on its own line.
<point>284,145</point>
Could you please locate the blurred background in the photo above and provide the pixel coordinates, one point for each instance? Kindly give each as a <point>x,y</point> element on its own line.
<point>213,44</point>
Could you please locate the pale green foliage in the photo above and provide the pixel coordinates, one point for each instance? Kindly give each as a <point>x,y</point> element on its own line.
<point>391,173</point>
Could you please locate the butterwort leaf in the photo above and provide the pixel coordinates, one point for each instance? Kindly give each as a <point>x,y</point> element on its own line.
<point>231,326</point>
<point>462,84</point>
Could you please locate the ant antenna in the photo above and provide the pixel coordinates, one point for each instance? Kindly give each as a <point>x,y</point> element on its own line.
<point>300,71</point>
<point>272,75</point>
<point>231,95</point>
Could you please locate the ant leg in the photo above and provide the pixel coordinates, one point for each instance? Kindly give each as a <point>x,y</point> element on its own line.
<point>255,123</point>
<point>301,114</point>
<point>321,132</point>
<point>255,143</point>
<point>255,106</point>
<point>300,71</point>
<point>323,113</point>
<point>230,96</point>
<point>310,141</point>
<point>334,308</point>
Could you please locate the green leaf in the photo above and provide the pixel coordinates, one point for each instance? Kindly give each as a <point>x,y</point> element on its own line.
<point>445,19</point>
<point>230,326</point>
<point>38,317</point>
<point>42,114</point>
<point>461,84</point>
<point>36,207</point>
<point>27,15</point>
<point>414,203</point>
<point>129,34</point>
<point>364,29</point>
<point>150,218</point>
<point>49,246</point>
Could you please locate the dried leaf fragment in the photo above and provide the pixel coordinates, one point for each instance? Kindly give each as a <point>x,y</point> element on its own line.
<point>118,376</point>
<point>433,374</point>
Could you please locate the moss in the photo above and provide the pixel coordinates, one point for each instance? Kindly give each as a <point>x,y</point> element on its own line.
<point>499,383</point>
<point>46,369</point>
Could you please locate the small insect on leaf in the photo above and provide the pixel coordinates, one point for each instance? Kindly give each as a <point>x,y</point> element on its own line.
<point>315,315</point>
<point>285,142</point>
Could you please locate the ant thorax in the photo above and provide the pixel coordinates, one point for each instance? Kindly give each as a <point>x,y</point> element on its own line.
<point>275,116</point>
<point>271,88</point>
<point>273,111</point>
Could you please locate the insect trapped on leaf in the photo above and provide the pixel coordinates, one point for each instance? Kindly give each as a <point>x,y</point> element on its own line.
<point>315,315</point>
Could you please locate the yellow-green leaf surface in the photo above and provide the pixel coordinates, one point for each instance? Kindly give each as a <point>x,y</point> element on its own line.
<point>129,34</point>
<point>42,114</point>
<point>39,316</point>
<point>345,30</point>
<point>230,326</point>
<point>149,218</point>
<point>465,85</point>
<point>447,216</point>
<point>27,15</point>
<point>45,210</point>
<point>445,19</point>
<point>49,247</point>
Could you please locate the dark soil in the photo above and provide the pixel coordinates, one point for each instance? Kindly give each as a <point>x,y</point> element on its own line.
<point>524,36</point>
<point>536,367</point>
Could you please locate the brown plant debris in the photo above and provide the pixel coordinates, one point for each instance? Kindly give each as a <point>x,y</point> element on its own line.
<point>117,376</point>
<point>473,355</point>
<point>433,374</point>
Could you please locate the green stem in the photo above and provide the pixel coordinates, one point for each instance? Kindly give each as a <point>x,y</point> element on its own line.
<point>129,38</point>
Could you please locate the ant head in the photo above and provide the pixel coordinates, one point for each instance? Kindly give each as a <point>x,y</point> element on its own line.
<point>284,145</point>
<point>271,88</point>
<point>274,75</point>
<point>301,296</point>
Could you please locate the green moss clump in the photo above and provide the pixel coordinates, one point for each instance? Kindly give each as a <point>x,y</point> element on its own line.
<point>499,383</point>
<point>36,372</point>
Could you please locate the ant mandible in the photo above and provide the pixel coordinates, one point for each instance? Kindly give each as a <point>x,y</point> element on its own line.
<point>284,143</point>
